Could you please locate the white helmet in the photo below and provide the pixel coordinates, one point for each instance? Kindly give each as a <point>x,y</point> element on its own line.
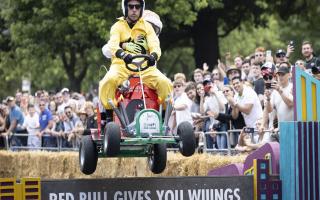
<point>124,5</point>
<point>154,19</point>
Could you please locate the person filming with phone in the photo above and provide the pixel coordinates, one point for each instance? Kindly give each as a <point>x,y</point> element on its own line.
<point>246,143</point>
<point>279,97</point>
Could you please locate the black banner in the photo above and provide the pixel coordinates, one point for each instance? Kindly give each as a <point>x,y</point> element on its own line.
<point>169,188</point>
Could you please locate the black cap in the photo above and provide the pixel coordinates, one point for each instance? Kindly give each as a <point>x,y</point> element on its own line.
<point>280,52</point>
<point>284,70</point>
<point>206,81</point>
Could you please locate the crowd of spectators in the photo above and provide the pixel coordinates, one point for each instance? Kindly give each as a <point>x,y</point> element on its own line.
<point>47,120</point>
<point>248,93</point>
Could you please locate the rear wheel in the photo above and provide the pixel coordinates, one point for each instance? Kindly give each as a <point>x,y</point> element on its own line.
<point>112,138</point>
<point>158,159</point>
<point>88,155</point>
<point>187,143</point>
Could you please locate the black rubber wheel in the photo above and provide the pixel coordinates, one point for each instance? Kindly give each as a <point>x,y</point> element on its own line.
<point>157,161</point>
<point>187,143</point>
<point>88,155</point>
<point>112,137</point>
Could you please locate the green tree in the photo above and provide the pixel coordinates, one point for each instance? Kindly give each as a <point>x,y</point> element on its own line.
<point>57,41</point>
<point>70,31</point>
<point>205,21</point>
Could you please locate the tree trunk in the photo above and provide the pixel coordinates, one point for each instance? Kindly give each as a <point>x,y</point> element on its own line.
<point>69,63</point>
<point>75,84</point>
<point>205,38</point>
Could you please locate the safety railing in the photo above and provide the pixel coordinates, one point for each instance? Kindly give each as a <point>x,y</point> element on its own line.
<point>59,141</point>
<point>229,150</point>
<point>202,144</point>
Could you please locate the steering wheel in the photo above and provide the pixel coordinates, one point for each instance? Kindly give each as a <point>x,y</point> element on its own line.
<point>138,64</point>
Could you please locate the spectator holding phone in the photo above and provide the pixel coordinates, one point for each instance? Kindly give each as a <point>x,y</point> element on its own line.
<point>245,140</point>
<point>280,97</point>
<point>281,56</point>
<point>214,103</point>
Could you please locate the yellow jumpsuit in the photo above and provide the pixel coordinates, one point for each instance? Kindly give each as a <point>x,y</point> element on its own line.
<point>152,77</point>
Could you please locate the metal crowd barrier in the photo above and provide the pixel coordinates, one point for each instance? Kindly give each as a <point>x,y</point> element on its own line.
<point>228,133</point>
<point>75,146</point>
<point>9,146</point>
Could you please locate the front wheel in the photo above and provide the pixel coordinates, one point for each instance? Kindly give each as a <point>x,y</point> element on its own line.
<point>88,155</point>
<point>112,138</point>
<point>158,159</point>
<point>187,143</point>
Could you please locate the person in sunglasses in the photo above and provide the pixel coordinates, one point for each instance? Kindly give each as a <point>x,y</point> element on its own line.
<point>132,28</point>
<point>279,97</point>
<point>140,45</point>
<point>281,56</point>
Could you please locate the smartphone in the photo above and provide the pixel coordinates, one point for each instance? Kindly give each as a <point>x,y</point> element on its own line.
<point>268,53</point>
<point>291,43</point>
<point>204,116</point>
<point>248,130</point>
<point>268,85</point>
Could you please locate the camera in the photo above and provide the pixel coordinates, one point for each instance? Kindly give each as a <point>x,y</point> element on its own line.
<point>248,130</point>
<point>268,85</point>
<point>217,126</point>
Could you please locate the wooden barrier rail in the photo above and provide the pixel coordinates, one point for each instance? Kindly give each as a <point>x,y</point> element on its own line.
<point>300,141</point>
<point>23,189</point>
<point>306,96</point>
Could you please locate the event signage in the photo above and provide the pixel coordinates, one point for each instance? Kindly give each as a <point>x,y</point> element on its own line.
<point>168,188</point>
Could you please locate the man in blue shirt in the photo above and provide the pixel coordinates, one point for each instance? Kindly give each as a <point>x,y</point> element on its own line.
<point>16,120</point>
<point>46,123</point>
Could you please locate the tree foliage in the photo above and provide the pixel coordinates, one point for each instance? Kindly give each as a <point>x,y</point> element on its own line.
<point>57,43</point>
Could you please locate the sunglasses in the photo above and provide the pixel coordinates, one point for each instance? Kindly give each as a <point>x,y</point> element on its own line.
<point>280,55</point>
<point>269,77</point>
<point>177,86</point>
<point>136,6</point>
<point>226,91</point>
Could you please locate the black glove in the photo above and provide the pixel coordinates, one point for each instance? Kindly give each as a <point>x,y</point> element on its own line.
<point>152,59</point>
<point>127,58</point>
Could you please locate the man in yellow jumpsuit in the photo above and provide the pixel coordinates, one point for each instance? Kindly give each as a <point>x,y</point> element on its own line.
<point>131,28</point>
